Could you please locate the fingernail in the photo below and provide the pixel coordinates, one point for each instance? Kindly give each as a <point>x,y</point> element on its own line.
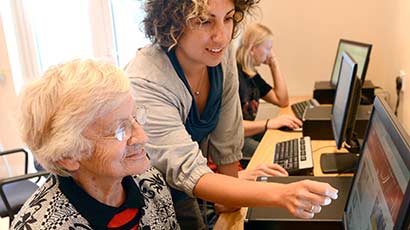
<point>317,208</point>
<point>327,201</point>
<point>331,194</point>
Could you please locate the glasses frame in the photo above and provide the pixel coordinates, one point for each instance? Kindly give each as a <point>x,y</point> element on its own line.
<point>139,115</point>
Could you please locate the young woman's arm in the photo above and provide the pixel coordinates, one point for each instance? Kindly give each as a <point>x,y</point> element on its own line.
<point>255,127</point>
<point>301,199</point>
<point>279,94</point>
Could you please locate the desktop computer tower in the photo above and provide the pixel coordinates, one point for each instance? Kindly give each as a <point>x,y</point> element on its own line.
<point>317,122</point>
<point>324,92</point>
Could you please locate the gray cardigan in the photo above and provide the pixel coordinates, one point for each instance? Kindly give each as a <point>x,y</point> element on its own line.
<point>156,85</point>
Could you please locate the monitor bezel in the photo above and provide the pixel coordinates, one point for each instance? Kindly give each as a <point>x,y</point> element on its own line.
<point>366,63</point>
<point>398,133</point>
<point>340,138</point>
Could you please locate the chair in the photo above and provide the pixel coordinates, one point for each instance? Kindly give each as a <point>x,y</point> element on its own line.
<point>14,191</point>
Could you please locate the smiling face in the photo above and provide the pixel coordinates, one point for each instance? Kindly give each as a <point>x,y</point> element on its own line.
<point>205,40</point>
<point>113,158</point>
<point>262,52</point>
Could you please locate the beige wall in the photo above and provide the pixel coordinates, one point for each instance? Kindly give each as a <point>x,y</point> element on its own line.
<point>8,100</point>
<point>8,121</point>
<point>307,34</point>
<point>404,57</point>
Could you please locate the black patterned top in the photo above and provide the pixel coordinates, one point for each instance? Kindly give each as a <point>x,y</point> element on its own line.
<point>49,207</point>
<point>250,90</point>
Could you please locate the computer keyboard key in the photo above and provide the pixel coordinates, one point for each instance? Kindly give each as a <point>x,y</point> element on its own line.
<point>300,107</point>
<point>294,155</point>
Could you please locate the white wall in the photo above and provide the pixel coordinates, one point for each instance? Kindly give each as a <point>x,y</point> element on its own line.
<point>307,34</point>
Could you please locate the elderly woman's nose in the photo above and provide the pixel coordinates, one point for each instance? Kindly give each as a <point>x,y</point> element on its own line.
<point>138,135</point>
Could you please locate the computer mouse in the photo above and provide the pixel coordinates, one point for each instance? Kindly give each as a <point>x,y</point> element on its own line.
<point>288,129</point>
<point>285,128</point>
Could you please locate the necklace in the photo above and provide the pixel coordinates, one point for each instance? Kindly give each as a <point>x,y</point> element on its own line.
<point>197,91</point>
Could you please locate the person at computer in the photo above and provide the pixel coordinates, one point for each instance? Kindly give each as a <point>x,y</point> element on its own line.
<point>188,80</point>
<point>82,125</point>
<point>255,49</point>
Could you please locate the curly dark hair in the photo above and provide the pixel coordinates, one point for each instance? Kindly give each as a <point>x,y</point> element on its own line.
<point>165,19</point>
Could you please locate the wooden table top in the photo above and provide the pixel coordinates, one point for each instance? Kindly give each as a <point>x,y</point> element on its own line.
<point>264,153</point>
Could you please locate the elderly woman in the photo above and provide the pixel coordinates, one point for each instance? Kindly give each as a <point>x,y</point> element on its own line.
<point>82,124</point>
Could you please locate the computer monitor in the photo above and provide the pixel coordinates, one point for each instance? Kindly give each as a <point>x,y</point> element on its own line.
<point>360,52</point>
<point>344,111</point>
<point>347,100</point>
<point>380,193</point>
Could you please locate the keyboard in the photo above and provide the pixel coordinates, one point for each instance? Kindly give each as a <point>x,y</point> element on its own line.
<point>299,108</point>
<point>294,155</point>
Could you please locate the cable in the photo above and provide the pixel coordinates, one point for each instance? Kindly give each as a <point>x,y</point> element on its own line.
<point>323,147</point>
<point>399,85</point>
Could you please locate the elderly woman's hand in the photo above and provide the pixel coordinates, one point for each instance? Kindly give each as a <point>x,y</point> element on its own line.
<point>262,170</point>
<point>305,198</point>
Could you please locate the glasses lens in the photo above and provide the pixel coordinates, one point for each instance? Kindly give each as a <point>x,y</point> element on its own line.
<point>120,133</point>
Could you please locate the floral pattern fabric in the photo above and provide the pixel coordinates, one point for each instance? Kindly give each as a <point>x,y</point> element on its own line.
<point>49,208</point>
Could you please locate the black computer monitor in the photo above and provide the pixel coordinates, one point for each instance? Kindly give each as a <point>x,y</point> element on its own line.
<point>359,51</point>
<point>347,100</point>
<point>344,111</point>
<point>380,192</point>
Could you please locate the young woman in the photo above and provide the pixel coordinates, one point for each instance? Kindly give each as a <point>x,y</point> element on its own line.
<point>254,50</point>
<point>188,80</point>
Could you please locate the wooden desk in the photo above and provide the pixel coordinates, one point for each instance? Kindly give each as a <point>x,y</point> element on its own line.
<point>264,153</point>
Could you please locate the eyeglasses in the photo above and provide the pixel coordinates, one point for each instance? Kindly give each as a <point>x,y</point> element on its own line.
<point>124,130</point>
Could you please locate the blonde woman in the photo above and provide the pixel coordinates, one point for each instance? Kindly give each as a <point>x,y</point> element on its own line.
<point>254,50</point>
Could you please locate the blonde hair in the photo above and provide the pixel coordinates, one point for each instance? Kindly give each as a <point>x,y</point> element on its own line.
<point>254,35</point>
<point>57,108</point>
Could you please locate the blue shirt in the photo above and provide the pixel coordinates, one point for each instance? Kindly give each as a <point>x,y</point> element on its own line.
<point>199,125</point>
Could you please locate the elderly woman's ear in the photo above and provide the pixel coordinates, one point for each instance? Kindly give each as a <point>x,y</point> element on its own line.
<point>69,164</point>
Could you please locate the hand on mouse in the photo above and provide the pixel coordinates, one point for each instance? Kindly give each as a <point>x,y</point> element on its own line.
<point>284,120</point>
<point>269,169</point>
<point>305,198</point>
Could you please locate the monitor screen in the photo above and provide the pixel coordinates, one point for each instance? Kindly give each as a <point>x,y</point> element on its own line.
<point>380,194</point>
<point>360,52</point>
<point>345,99</point>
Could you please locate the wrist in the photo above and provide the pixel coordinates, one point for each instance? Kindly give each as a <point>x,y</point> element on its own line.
<point>274,66</point>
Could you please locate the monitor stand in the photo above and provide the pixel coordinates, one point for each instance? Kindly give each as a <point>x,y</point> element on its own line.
<point>338,162</point>
<point>342,162</point>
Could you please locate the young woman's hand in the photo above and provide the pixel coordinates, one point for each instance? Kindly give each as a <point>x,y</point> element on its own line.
<point>271,60</point>
<point>305,198</point>
<point>262,170</point>
<point>284,120</point>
